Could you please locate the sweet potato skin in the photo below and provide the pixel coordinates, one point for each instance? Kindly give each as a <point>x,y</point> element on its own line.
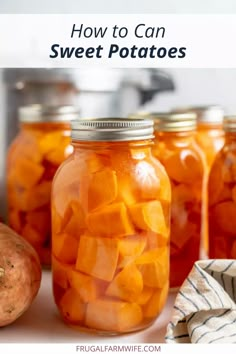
<point>20,275</point>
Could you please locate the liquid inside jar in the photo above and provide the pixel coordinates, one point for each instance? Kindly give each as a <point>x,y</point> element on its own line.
<point>222,202</point>
<point>184,165</point>
<point>110,218</point>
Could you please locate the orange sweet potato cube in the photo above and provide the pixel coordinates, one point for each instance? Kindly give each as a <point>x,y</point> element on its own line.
<point>74,219</point>
<point>40,220</point>
<point>32,235</point>
<point>149,216</point>
<point>146,180</point>
<point>26,172</point>
<point>225,216</point>
<point>154,266</point>
<point>129,248</point>
<point>111,220</point>
<point>132,245</point>
<point>127,284</point>
<point>97,256</point>
<point>99,196</point>
<point>145,295</point>
<point>86,286</point>
<point>157,301</point>
<point>110,315</point>
<point>38,196</point>
<point>65,247</point>
<point>48,141</point>
<point>71,307</point>
<point>184,166</point>
<point>58,155</point>
<point>60,273</point>
<point>56,221</point>
<point>97,162</point>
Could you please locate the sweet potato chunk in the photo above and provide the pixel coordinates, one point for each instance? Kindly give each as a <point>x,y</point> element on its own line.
<point>154,266</point>
<point>38,196</point>
<point>156,302</point>
<point>110,315</point>
<point>127,285</point>
<point>72,308</point>
<point>49,141</point>
<point>74,219</point>
<point>60,273</point>
<point>149,216</point>
<point>85,285</point>
<point>58,155</point>
<point>99,196</point>
<point>26,173</point>
<point>182,230</point>
<point>56,221</point>
<point>145,295</point>
<point>111,220</point>
<point>97,162</point>
<point>132,245</point>
<point>40,220</point>
<point>65,247</point>
<point>33,236</point>
<point>184,166</point>
<point>147,180</point>
<point>126,191</point>
<point>97,257</point>
<point>225,216</point>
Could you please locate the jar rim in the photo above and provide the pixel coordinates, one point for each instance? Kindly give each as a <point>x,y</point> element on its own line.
<point>37,113</point>
<point>112,129</point>
<point>229,123</point>
<point>211,114</point>
<point>174,122</point>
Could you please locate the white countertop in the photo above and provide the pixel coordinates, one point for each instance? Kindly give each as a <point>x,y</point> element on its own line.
<point>41,323</point>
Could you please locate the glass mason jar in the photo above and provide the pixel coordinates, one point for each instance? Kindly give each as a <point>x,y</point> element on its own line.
<point>40,147</point>
<point>222,197</point>
<point>110,228</point>
<point>184,162</point>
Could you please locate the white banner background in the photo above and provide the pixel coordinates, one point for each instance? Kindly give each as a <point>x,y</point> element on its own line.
<point>26,40</point>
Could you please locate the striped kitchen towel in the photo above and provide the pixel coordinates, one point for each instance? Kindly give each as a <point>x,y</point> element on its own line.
<point>205,306</point>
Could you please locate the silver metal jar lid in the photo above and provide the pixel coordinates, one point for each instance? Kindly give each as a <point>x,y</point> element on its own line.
<point>229,124</point>
<point>174,122</point>
<point>112,129</point>
<point>39,113</point>
<point>205,114</point>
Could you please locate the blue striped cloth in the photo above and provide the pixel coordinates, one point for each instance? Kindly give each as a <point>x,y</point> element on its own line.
<point>205,306</point>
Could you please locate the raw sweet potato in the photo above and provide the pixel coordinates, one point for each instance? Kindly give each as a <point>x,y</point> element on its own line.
<point>20,275</point>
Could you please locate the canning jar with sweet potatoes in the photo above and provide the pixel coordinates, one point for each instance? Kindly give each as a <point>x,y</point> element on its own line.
<point>222,197</point>
<point>110,228</point>
<point>184,162</point>
<point>42,144</point>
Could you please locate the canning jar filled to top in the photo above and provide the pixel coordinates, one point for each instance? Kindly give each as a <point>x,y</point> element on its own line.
<point>110,228</point>
<point>184,162</point>
<point>41,145</point>
<point>222,196</point>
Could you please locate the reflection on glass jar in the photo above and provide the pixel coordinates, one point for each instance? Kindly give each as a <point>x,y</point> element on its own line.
<point>110,228</point>
<point>41,146</point>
